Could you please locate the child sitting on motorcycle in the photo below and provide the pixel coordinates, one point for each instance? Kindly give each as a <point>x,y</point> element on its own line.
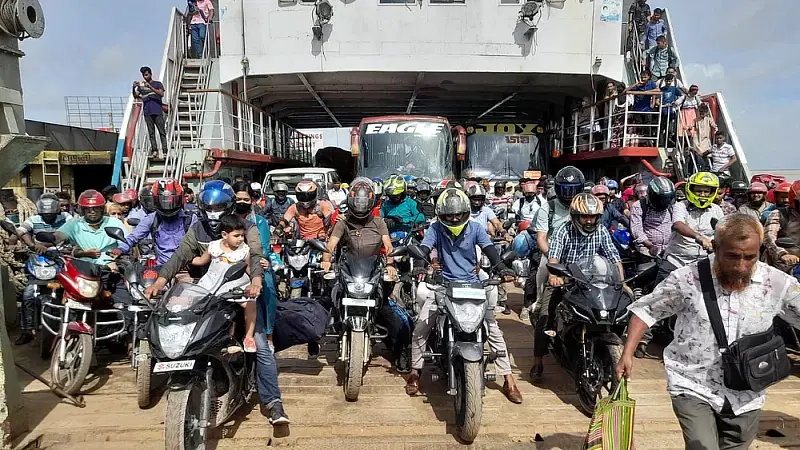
<point>220,256</point>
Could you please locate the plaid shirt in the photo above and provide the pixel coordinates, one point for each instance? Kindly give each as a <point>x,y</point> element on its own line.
<point>655,226</point>
<point>727,207</point>
<point>569,246</point>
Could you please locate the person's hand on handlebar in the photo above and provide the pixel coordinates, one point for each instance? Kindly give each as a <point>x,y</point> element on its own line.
<point>705,242</point>
<point>325,266</point>
<point>40,249</point>
<point>508,274</point>
<point>152,290</point>
<point>93,253</point>
<point>555,281</point>
<point>790,259</point>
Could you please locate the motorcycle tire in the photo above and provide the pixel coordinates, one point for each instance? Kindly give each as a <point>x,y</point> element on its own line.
<point>607,361</point>
<point>78,356</point>
<point>469,399</point>
<point>184,409</point>
<point>144,368</point>
<point>355,365</point>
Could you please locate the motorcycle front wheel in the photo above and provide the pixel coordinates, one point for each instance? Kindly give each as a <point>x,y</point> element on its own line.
<point>597,375</point>
<point>70,375</point>
<point>468,399</point>
<point>355,365</point>
<point>182,420</point>
<point>143,374</point>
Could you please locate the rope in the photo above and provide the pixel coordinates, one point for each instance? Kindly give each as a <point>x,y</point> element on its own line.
<point>9,23</point>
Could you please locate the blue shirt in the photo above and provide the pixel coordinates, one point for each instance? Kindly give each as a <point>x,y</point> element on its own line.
<point>669,94</point>
<point>484,216</point>
<point>458,258</point>
<point>652,31</point>
<point>151,102</point>
<point>641,103</point>
<point>35,224</point>
<point>85,237</point>
<point>407,212</point>
<point>167,236</point>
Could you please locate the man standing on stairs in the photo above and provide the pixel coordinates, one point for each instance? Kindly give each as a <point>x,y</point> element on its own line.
<point>151,92</point>
<point>201,14</point>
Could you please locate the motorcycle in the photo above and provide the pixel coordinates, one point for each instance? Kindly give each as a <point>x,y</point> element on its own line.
<point>787,331</point>
<point>456,344</point>
<point>300,271</point>
<point>210,376</point>
<point>588,324</point>
<point>409,270</point>
<point>42,271</point>
<point>361,295</point>
<point>85,317</point>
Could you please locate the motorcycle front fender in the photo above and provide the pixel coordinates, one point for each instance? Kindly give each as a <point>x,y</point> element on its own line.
<point>611,339</point>
<point>468,351</point>
<point>79,327</point>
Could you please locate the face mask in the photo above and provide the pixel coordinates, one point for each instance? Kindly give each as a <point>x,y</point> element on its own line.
<point>214,215</point>
<point>243,208</point>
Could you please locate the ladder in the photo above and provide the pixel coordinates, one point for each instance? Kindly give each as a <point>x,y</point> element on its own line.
<point>51,168</point>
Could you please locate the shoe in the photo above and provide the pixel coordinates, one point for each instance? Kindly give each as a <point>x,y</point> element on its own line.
<point>536,372</point>
<point>250,345</point>
<point>313,350</point>
<point>507,310</point>
<point>513,394</point>
<point>641,351</point>
<point>277,416</point>
<point>403,362</point>
<point>24,338</point>
<point>412,384</point>
<point>525,314</point>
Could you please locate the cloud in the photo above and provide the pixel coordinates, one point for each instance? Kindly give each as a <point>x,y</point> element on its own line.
<point>715,71</point>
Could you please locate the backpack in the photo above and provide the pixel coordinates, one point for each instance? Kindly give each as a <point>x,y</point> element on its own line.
<point>299,321</point>
<point>551,214</point>
<point>317,210</point>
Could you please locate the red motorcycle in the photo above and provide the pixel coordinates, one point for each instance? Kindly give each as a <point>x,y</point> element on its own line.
<point>85,316</point>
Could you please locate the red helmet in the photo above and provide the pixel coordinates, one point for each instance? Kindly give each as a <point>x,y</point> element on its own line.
<point>132,194</point>
<point>92,206</point>
<point>168,195</point>
<point>123,197</point>
<point>757,188</point>
<point>794,193</point>
<point>524,225</point>
<point>529,187</point>
<point>784,187</point>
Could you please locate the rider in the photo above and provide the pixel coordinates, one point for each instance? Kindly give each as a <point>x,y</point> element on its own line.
<point>651,218</point>
<point>125,199</point>
<point>167,225</point>
<point>49,218</point>
<point>337,195</point>
<point>739,191</point>
<point>411,187</point>
<point>482,213</point>
<point>784,223</point>
<point>311,215</point>
<point>781,196</point>
<point>424,202</point>
<point>525,208</point>
<point>570,243</point>
<point>500,199</point>
<point>611,215</point>
<point>276,207</point>
<point>756,200</point>
<point>399,211</point>
<point>147,204</point>
<point>455,236</point>
<point>364,234</point>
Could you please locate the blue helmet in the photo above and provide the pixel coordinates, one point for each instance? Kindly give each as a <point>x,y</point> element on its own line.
<point>215,200</point>
<point>377,180</point>
<point>611,184</point>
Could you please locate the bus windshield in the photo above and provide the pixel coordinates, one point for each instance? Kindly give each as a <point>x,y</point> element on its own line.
<point>502,156</point>
<point>406,147</point>
<point>291,180</point>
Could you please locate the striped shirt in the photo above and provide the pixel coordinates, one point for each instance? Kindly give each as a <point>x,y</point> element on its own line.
<point>655,226</point>
<point>569,246</point>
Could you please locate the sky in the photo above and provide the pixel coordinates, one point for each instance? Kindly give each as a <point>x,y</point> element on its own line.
<point>745,49</point>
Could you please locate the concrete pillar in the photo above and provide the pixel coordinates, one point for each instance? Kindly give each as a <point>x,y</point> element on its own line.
<point>13,420</point>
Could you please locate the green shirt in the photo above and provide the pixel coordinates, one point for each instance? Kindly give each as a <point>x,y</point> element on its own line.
<point>85,237</point>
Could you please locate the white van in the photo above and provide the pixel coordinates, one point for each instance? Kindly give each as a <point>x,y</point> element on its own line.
<point>323,176</point>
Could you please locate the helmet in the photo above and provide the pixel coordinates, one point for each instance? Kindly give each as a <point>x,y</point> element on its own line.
<point>377,180</point>
<point>600,189</point>
<point>783,188</point>
<point>587,187</point>
<point>477,196</point>
<point>738,188</point>
<point>395,186</point>
<point>347,186</point>
<point>529,187</point>
<point>48,204</point>
<point>585,205</point>
<point>169,197</point>
<point>757,188</point>
<point>377,186</point>
<point>612,184</point>
<point>92,201</point>
<point>147,200</point>
<point>501,185</point>
<point>216,199</point>
<point>256,187</point>
<point>423,187</point>
<point>660,193</point>
<point>281,190</point>
<point>361,198</point>
<point>453,210</point>
<point>411,185</point>
<point>469,184</point>
<point>702,179</point>
<point>409,179</point>
<point>568,183</point>
<point>306,193</point>
<point>794,195</point>
<point>123,197</point>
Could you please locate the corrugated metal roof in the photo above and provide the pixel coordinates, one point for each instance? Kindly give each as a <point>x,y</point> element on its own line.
<point>64,137</point>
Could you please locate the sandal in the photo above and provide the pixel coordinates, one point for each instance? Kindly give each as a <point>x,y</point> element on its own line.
<point>250,345</point>
<point>412,384</point>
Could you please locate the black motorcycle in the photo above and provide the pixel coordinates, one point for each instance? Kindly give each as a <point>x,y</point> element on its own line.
<point>589,323</point>
<point>210,376</point>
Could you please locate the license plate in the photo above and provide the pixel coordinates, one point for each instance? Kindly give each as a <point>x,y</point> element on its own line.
<point>171,366</point>
<point>367,302</point>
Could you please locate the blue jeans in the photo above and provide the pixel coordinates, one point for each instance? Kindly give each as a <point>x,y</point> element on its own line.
<point>267,369</point>
<point>198,38</point>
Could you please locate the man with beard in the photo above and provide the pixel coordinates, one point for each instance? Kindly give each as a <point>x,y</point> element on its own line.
<point>756,200</point>
<point>749,295</point>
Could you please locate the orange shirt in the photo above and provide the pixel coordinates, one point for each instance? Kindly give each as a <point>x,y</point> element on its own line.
<point>310,224</point>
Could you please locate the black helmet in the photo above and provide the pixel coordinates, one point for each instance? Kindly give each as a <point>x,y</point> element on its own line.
<point>587,187</point>
<point>569,183</point>
<point>361,198</point>
<point>739,188</point>
<point>660,193</point>
<point>423,187</point>
<point>147,200</point>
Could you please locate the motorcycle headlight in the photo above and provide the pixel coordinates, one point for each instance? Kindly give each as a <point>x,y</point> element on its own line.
<point>297,261</point>
<point>468,316</point>
<point>174,338</point>
<point>88,288</point>
<point>360,288</point>
<point>44,272</point>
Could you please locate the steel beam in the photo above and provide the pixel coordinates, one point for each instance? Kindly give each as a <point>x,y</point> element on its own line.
<point>317,97</point>
<point>417,84</point>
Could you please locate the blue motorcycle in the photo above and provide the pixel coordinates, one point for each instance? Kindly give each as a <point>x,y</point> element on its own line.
<point>42,271</point>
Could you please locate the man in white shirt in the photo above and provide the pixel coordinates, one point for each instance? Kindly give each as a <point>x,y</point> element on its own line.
<point>525,208</point>
<point>337,195</point>
<point>750,294</point>
<point>721,154</point>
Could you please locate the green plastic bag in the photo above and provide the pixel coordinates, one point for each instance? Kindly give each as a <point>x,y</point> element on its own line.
<point>611,427</point>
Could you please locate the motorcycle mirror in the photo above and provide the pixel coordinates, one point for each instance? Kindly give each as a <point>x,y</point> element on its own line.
<point>558,269</point>
<point>8,227</point>
<point>133,222</point>
<point>318,245</point>
<point>646,270</point>
<point>785,242</point>
<point>234,272</point>
<point>714,222</point>
<point>507,224</point>
<point>417,252</point>
<point>48,237</point>
<point>115,233</point>
<point>509,256</point>
<point>399,251</point>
